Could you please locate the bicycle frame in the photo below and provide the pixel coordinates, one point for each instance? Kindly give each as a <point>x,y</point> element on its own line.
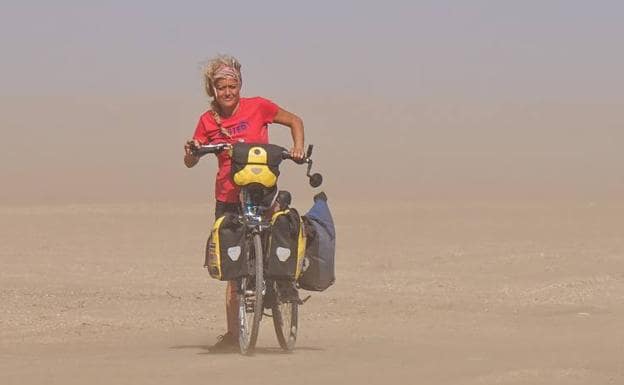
<point>253,212</point>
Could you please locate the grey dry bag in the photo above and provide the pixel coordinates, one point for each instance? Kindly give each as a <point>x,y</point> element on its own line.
<point>318,265</point>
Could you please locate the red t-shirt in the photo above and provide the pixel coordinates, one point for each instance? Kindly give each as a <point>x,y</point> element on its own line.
<point>248,124</point>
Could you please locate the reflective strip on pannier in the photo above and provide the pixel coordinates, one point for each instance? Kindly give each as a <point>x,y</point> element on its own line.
<point>225,250</point>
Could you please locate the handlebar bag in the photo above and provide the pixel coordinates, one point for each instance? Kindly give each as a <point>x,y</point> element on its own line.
<point>318,267</point>
<point>256,163</point>
<point>226,258</point>
<point>286,245</point>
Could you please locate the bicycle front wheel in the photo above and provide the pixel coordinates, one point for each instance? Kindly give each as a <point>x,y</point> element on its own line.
<point>250,298</point>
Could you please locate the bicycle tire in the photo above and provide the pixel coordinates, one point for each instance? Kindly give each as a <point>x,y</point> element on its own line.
<point>285,321</point>
<point>250,302</point>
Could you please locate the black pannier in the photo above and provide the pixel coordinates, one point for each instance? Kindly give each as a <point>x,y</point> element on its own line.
<point>226,258</point>
<point>286,246</point>
<point>318,266</point>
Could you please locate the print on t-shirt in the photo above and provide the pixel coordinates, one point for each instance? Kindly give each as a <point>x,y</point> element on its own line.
<point>239,128</point>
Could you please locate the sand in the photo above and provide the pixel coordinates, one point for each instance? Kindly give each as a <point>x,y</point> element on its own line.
<point>426,293</point>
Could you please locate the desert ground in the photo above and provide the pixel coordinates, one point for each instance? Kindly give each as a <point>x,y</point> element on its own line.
<point>427,293</point>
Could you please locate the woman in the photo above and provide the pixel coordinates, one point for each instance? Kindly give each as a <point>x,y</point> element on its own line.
<point>231,119</point>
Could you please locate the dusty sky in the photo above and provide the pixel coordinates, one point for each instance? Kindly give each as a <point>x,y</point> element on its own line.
<point>443,99</point>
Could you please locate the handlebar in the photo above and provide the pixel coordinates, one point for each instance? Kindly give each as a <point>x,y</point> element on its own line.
<point>210,149</point>
<point>218,147</point>
<point>315,179</point>
<point>305,159</point>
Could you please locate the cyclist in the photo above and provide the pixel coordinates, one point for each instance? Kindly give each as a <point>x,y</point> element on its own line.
<point>232,118</point>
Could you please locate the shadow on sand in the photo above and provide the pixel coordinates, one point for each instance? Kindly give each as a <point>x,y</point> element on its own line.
<point>209,349</point>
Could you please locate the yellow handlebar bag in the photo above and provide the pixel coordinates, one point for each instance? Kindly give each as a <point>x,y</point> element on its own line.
<point>256,164</point>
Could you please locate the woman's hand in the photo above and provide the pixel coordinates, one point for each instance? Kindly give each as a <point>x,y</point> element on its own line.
<point>191,159</point>
<point>190,145</point>
<point>297,152</point>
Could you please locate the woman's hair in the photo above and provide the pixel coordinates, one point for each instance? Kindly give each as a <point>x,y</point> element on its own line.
<point>214,65</point>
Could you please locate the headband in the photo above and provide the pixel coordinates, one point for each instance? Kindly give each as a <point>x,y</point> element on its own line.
<point>226,72</point>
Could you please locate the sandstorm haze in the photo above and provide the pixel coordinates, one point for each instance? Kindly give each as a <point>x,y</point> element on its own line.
<point>480,100</point>
<point>471,154</point>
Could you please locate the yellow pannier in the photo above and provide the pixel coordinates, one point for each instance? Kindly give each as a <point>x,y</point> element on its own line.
<point>286,246</point>
<point>225,250</point>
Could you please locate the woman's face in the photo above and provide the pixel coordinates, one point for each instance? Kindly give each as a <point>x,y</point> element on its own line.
<point>227,93</point>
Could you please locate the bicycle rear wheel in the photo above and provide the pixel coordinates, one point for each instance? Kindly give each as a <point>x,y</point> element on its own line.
<point>285,321</point>
<point>250,298</point>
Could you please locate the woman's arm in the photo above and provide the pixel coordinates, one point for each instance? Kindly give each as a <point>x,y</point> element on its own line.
<point>296,130</point>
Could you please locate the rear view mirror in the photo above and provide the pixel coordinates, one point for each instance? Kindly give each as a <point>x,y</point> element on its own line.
<point>316,180</point>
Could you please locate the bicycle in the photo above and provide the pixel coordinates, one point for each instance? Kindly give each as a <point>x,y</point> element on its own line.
<point>256,292</point>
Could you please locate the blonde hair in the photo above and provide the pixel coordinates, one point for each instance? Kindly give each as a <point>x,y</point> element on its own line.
<point>213,65</point>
